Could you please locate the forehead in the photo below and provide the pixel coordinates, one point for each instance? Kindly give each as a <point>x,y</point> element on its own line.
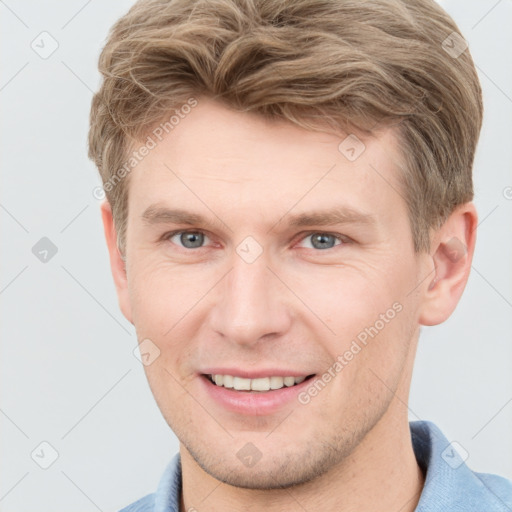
<point>215,153</point>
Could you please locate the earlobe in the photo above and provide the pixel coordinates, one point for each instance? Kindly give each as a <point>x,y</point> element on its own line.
<point>452,251</point>
<point>117,263</point>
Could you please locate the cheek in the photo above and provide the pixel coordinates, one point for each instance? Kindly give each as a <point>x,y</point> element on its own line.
<point>162,294</point>
<point>167,305</point>
<point>348,300</point>
<point>371,316</point>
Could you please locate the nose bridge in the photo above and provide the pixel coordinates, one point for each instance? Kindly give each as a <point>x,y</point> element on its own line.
<point>251,303</point>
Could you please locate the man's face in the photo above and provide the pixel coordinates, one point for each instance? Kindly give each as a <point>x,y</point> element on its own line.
<point>249,291</point>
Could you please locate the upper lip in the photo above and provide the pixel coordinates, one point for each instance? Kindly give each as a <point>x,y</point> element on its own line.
<point>255,374</point>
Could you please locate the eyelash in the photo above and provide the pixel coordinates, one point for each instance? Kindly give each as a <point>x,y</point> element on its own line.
<point>342,238</point>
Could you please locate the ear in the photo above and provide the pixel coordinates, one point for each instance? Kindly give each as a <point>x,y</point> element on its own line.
<point>117,264</point>
<point>451,254</point>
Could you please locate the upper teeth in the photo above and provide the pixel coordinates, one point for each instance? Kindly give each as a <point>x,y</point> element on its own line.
<point>262,384</point>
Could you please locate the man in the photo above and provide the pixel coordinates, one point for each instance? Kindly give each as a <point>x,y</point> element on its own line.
<point>288,200</point>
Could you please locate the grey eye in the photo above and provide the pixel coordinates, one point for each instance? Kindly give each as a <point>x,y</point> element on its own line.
<point>191,239</point>
<point>322,240</point>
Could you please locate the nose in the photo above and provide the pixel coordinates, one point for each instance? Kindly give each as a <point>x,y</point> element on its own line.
<point>251,303</point>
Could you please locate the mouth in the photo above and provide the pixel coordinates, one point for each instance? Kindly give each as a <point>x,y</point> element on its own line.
<point>258,385</point>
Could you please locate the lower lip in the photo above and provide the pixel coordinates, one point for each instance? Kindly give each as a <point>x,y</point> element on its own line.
<point>254,403</point>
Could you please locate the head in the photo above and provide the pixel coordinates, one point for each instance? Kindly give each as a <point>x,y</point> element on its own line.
<point>256,119</point>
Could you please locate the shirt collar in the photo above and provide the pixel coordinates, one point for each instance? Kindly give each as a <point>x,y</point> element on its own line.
<point>449,483</point>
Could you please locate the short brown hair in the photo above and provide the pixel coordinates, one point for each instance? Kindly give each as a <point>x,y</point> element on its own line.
<point>358,64</point>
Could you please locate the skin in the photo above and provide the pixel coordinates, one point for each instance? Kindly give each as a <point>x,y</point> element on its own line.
<point>296,306</point>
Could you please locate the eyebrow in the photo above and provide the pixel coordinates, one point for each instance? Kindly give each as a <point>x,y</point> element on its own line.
<point>339,215</point>
<point>156,214</point>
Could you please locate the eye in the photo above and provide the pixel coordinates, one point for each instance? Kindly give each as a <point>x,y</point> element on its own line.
<point>197,239</point>
<point>188,239</point>
<point>320,240</point>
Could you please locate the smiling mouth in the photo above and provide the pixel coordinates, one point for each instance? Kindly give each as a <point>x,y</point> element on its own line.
<point>260,385</point>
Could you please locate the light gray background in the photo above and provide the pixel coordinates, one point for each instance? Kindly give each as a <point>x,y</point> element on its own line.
<point>68,373</point>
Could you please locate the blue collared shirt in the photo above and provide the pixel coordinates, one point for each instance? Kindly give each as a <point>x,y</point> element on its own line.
<point>450,486</point>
